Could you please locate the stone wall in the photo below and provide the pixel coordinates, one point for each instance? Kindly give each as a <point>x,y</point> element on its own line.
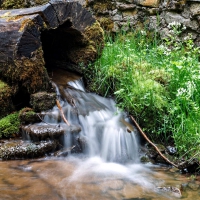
<point>150,14</point>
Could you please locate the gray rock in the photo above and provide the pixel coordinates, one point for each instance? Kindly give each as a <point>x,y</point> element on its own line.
<point>195,9</point>
<point>25,150</point>
<point>42,132</point>
<point>117,17</point>
<point>124,7</point>
<point>172,16</point>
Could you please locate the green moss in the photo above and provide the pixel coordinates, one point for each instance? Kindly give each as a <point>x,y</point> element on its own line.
<point>92,45</point>
<point>14,4</point>
<point>27,116</point>
<point>31,72</point>
<point>5,99</point>
<point>106,23</point>
<point>95,35</point>
<point>101,7</point>
<point>9,125</point>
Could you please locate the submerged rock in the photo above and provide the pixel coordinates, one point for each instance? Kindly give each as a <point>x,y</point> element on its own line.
<point>23,150</point>
<point>146,159</point>
<point>159,159</point>
<point>193,186</point>
<point>172,190</point>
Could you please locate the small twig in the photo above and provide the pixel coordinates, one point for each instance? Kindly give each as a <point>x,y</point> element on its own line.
<point>156,148</point>
<point>61,111</point>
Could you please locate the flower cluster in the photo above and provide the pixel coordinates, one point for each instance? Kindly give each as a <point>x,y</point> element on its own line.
<point>188,91</point>
<point>176,25</point>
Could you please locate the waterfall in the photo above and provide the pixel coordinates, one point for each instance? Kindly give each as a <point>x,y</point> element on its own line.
<point>103,126</point>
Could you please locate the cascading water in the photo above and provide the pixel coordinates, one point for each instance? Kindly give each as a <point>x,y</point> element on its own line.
<point>107,169</point>
<point>103,127</point>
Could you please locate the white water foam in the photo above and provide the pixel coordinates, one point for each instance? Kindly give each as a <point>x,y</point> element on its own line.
<point>102,128</point>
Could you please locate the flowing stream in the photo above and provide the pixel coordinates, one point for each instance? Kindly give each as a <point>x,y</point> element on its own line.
<point>108,167</point>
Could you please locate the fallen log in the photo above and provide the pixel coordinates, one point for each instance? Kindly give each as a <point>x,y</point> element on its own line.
<point>35,40</point>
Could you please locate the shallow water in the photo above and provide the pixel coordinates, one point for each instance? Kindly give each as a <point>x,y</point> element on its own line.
<point>83,178</point>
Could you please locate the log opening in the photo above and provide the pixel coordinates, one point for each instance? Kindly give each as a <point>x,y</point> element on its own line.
<point>57,45</point>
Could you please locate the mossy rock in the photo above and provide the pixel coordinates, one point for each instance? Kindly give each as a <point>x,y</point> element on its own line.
<point>27,116</point>
<point>6,93</point>
<point>100,6</point>
<point>146,159</point>
<point>14,4</point>
<point>42,101</point>
<point>18,150</point>
<point>9,125</point>
<point>106,23</point>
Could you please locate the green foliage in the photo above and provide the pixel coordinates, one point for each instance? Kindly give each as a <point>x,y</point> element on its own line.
<point>9,125</point>
<point>156,81</point>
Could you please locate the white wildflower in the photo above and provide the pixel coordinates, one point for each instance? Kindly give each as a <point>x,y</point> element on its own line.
<point>184,27</point>
<point>143,32</point>
<point>191,87</point>
<point>174,24</point>
<point>181,92</point>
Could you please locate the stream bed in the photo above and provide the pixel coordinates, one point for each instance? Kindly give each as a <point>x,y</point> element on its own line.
<point>83,178</point>
<point>108,166</point>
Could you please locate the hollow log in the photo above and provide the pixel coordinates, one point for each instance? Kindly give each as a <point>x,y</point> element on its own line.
<point>35,40</point>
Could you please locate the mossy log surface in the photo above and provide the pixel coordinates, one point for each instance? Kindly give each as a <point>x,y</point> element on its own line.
<point>33,40</point>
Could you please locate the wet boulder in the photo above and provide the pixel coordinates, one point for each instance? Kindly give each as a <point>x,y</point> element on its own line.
<point>65,152</point>
<point>27,116</point>
<point>42,101</point>
<point>146,159</point>
<point>73,129</point>
<point>193,185</point>
<point>24,150</point>
<point>159,159</point>
<point>174,191</point>
<point>42,132</point>
<point>152,153</point>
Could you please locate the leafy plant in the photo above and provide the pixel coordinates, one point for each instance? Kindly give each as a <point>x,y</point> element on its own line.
<point>158,81</point>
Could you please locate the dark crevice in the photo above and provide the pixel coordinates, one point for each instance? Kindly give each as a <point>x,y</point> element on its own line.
<point>21,99</point>
<point>58,44</point>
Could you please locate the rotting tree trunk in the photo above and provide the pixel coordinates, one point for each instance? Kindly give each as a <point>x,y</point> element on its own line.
<point>57,33</point>
<point>36,40</point>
